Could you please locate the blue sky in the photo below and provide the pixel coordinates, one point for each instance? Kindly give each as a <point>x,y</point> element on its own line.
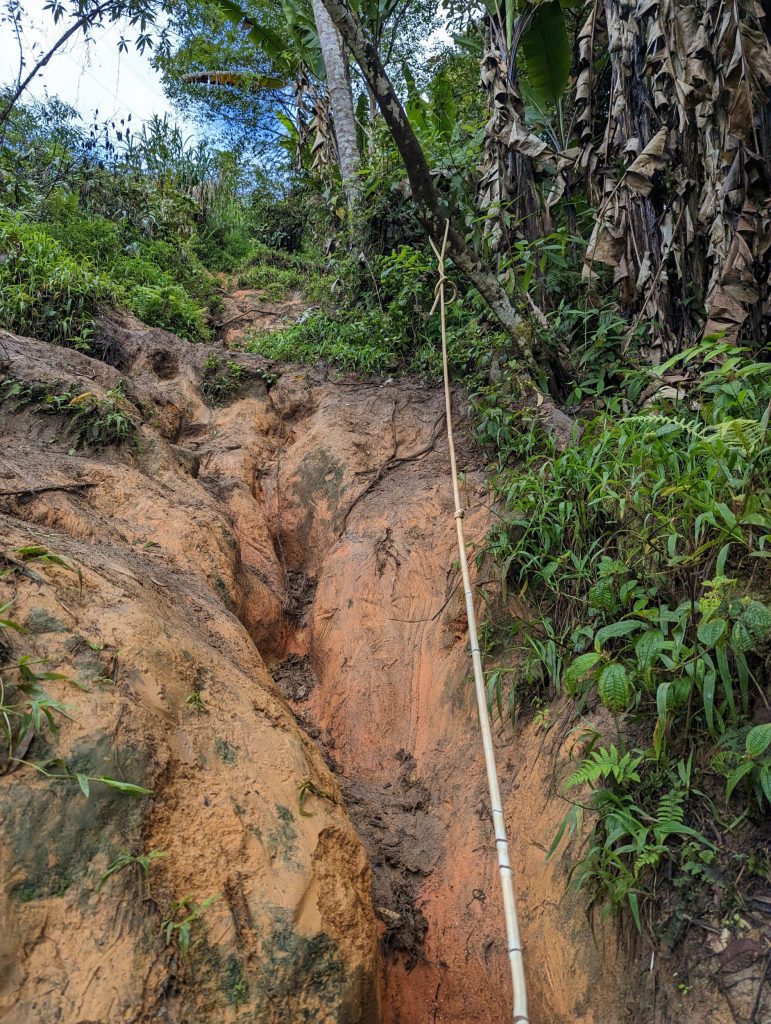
<point>91,76</point>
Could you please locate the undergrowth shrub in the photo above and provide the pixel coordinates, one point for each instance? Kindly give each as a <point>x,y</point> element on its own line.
<point>643,548</point>
<point>132,210</point>
<point>367,344</point>
<point>221,380</point>
<point>375,317</point>
<point>275,282</point>
<point>45,292</point>
<point>90,420</point>
<point>169,306</point>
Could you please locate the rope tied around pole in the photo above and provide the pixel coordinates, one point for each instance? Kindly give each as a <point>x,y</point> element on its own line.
<point>513,941</point>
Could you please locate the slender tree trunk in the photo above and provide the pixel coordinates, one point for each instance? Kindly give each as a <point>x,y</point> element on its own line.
<point>430,207</point>
<point>341,99</point>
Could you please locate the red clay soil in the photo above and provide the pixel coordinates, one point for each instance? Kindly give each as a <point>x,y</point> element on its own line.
<point>304,530</point>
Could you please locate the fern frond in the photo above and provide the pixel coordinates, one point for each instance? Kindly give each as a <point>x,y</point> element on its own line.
<point>670,806</point>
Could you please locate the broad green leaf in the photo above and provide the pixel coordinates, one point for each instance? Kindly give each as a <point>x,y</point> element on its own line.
<point>736,777</point>
<point>571,822</point>
<point>667,828</point>
<point>578,668</point>
<point>83,783</point>
<point>662,699</point>
<point>758,740</point>
<point>634,906</point>
<point>546,48</point>
<point>721,654</point>
<point>659,734</point>
<point>616,629</point>
<point>744,680</point>
<point>727,514</point>
<point>722,558</point>
<point>613,687</point>
<point>648,646</point>
<point>711,632</point>
<point>603,595</point>
<point>263,38</point>
<point>708,696</point>
<point>756,619</point>
<point>765,781</point>
<point>741,638</point>
<point>126,787</point>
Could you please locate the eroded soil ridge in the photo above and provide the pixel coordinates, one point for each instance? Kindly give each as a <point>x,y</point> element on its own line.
<point>266,622</point>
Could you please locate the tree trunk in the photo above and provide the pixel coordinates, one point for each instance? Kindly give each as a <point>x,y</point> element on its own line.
<point>429,205</point>
<point>339,86</point>
<point>682,175</point>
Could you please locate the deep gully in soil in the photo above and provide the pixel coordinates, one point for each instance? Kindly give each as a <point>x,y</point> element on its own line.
<point>375,667</point>
<point>318,531</point>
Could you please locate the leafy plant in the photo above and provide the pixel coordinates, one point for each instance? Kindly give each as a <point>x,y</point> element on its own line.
<point>91,420</point>
<point>84,781</point>
<point>546,48</point>
<point>44,292</point>
<point>169,306</point>
<point>635,546</point>
<point>182,915</point>
<point>309,787</point>
<point>25,707</point>
<point>221,380</point>
<point>631,835</point>
<point>274,282</point>
<point>126,859</point>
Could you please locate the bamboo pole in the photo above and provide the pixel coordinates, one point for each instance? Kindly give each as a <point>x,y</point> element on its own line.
<point>513,941</point>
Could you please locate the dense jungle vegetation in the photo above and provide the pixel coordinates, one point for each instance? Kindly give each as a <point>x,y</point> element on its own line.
<point>605,170</point>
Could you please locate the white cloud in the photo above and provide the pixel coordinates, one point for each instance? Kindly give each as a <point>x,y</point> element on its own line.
<point>88,76</point>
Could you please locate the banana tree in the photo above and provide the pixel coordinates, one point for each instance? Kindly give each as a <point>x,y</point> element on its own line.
<point>670,138</point>
<point>679,163</point>
<point>514,155</point>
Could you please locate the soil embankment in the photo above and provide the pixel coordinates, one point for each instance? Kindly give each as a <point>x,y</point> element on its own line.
<point>266,621</point>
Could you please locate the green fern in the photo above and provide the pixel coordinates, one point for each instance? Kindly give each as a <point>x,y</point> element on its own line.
<point>606,763</point>
<point>671,806</point>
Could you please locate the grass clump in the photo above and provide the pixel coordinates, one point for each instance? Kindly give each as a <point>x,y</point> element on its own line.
<point>221,380</point>
<point>274,282</point>
<point>45,292</point>
<point>367,344</point>
<point>641,549</point>
<point>375,318</point>
<point>91,420</point>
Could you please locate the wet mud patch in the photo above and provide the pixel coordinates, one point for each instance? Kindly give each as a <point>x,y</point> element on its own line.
<point>300,592</point>
<point>295,678</point>
<point>402,839</point>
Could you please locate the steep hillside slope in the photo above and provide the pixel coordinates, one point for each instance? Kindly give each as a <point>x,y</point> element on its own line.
<point>261,607</point>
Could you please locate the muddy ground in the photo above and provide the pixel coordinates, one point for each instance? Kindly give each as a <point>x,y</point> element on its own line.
<point>289,560</point>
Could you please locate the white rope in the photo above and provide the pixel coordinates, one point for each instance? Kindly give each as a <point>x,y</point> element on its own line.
<point>513,942</point>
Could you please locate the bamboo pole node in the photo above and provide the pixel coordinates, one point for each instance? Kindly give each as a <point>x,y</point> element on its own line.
<point>513,941</point>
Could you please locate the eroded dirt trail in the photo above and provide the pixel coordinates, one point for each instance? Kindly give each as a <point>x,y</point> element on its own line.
<point>297,544</point>
<point>361,506</point>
